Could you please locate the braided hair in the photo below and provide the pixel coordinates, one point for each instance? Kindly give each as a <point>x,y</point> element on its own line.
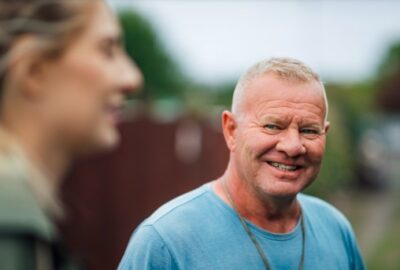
<point>52,23</point>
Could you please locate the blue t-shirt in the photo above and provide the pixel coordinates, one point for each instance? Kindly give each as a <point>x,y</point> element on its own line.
<point>200,231</point>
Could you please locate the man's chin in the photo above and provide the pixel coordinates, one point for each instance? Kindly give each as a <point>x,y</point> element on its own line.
<point>280,191</point>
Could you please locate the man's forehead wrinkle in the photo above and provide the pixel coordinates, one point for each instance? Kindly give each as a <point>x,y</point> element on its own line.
<point>276,109</point>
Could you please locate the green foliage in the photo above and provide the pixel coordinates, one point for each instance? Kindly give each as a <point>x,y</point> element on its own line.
<point>162,76</point>
<point>224,94</point>
<point>348,106</point>
<point>354,101</point>
<point>388,81</point>
<point>391,62</point>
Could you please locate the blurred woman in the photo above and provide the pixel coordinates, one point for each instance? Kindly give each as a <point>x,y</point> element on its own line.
<point>63,77</point>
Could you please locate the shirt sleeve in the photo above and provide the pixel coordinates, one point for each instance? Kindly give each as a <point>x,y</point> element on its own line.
<point>357,261</point>
<point>147,250</point>
<point>353,251</point>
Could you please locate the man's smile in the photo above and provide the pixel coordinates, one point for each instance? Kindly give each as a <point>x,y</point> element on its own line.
<point>284,167</point>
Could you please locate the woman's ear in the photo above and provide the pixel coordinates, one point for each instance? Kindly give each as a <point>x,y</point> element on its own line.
<point>25,69</point>
<point>229,127</point>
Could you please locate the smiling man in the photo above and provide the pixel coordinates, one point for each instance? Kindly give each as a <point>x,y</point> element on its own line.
<point>255,216</point>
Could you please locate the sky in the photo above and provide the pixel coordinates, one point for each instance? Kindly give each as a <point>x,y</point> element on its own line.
<point>214,41</point>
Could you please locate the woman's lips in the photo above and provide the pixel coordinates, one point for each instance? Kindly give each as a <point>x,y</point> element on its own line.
<point>115,113</point>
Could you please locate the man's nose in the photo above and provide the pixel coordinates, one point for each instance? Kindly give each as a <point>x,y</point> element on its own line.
<point>131,77</point>
<point>290,142</point>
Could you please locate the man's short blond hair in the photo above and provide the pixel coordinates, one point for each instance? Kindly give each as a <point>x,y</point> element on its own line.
<point>288,69</point>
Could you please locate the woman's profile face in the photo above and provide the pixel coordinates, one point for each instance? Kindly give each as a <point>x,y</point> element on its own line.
<point>85,87</point>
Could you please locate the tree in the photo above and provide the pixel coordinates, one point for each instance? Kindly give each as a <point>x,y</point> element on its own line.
<point>389,80</point>
<point>162,77</point>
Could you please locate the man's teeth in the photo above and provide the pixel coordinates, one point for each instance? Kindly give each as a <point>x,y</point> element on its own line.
<point>283,167</point>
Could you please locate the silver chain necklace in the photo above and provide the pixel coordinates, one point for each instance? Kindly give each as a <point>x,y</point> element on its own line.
<point>253,238</point>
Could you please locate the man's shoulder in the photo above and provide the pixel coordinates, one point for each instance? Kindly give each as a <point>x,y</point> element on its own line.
<point>162,238</point>
<point>319,209</point>
<point>187,203</point>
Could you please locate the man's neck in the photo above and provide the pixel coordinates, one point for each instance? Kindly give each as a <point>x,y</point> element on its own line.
<point>275,215</point>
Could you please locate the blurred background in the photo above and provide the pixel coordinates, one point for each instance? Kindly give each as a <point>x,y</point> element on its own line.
<point>191,54</point>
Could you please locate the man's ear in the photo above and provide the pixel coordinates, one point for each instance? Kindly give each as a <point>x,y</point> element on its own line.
<point>327,126</point>
<point>229,127</point>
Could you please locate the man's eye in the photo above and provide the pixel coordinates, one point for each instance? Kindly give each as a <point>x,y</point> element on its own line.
<point>271,127</point>
<point>309,131</point>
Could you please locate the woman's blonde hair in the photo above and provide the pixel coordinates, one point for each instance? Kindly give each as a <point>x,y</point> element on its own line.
<point>52,23</point>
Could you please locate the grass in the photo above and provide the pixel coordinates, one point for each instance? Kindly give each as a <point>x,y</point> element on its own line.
<point>386,254</point>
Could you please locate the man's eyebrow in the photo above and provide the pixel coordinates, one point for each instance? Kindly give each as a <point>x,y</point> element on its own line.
<point>316,125</point>
<point>311,122</point>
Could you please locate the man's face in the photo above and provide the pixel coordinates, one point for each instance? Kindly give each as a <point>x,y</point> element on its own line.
<point>278,139</point>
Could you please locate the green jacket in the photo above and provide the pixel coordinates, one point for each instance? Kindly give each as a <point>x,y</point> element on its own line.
<point>27,235</point>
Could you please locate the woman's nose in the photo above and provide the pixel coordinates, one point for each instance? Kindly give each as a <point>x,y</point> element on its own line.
<point>131,77</point>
